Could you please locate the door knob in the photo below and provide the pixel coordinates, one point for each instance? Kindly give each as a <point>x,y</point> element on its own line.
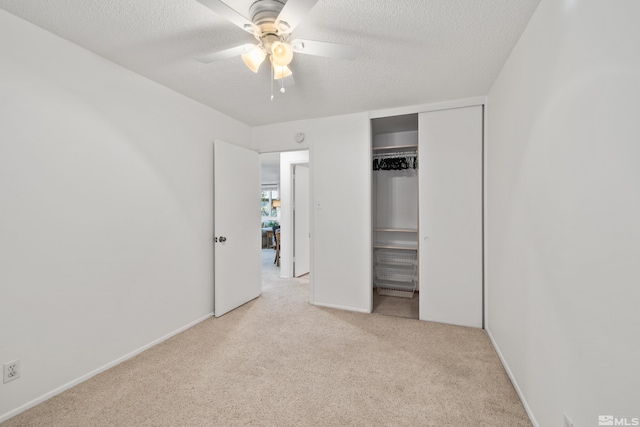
<point>223,239</point>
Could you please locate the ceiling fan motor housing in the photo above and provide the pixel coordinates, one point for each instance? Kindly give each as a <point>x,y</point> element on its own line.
<point>265,12</point>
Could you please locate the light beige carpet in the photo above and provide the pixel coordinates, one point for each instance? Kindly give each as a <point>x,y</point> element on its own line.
<point>278,361</point>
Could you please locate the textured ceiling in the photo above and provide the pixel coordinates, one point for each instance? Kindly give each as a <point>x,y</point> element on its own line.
<point>412,51</point>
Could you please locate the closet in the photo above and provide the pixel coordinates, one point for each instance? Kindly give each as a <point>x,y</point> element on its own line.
<point>427,180</point>
<point>395,214</point>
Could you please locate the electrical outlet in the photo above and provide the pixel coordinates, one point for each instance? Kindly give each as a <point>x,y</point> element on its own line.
<point>11,371</point>
<point>567,421</point>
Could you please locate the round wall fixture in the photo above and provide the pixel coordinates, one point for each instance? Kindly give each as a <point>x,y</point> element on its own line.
<point>299,137</point>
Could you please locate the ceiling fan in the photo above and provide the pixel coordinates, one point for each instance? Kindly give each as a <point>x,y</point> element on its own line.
<point>272,22</point>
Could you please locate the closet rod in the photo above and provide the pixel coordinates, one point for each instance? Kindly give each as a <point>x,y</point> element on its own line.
<point>395,154</point>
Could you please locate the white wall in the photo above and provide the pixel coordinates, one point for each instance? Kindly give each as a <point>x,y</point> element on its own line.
<point>563,211</point>
<point>287,160</point>
<point>106,210</point>
<point>341,183</point>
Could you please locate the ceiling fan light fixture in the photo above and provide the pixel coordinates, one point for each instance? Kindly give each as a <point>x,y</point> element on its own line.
<point>281,54</point>
<point>280,72</point>
<point>254,58</point>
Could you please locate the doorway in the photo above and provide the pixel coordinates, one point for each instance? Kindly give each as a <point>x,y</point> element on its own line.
<point>285,205</point>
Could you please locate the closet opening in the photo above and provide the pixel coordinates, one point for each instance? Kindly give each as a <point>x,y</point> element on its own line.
<point>394,168</point>
<point>285,216</point>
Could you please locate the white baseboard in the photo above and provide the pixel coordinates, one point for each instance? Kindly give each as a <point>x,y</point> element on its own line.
<point>341,307</point>
<point>513,381</point>
<point>95,372</point>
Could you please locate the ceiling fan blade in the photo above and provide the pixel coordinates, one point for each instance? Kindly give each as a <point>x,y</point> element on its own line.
<point>328,50</point>
<point>225,54</point>
<point>292,13</point>
<point>229,14</point>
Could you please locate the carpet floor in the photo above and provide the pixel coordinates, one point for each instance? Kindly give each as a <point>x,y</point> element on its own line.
<point>279,361</point>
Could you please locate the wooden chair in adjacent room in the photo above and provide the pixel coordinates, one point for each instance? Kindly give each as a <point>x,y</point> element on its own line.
<point>271,244</point>
<point>277,239</point>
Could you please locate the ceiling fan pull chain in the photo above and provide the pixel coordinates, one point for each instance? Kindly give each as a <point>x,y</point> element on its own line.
<point>272,75</point>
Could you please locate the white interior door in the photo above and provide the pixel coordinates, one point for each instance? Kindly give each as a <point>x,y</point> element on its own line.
<point>300,220</point>
<point>236,227</point>
<point>450,193</point>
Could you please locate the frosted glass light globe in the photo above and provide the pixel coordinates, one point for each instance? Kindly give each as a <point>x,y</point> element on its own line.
<point>281,53</point>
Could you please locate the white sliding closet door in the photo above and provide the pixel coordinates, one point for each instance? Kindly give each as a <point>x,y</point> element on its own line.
<point>450,225</point>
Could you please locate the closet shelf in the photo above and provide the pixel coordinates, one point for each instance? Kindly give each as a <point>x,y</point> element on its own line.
<point>395,147</point>
<point>396,257</point>
<point>398,274</point>
<point>413,247</point>
<point>396,230</point>
<point>395,289</point>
